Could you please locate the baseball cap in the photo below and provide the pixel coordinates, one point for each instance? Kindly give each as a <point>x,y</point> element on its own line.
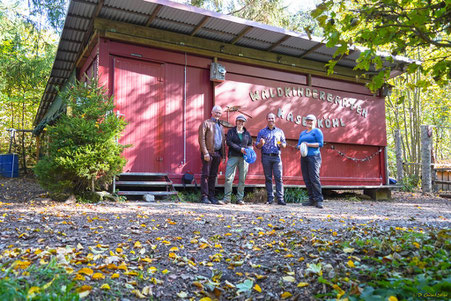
<point>310,117</point>
<point>241,117</point>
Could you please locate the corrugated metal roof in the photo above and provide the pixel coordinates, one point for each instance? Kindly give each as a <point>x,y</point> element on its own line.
<point>179,18</point>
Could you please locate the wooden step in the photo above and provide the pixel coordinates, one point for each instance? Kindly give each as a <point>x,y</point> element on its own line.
<point>147,174</point>
<point>156,193</point>
<point>142,183</point>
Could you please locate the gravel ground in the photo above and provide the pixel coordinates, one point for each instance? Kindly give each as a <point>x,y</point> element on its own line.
<point>199,250</point>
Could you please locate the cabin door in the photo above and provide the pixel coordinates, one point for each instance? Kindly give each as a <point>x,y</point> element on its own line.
<point>138,96</point>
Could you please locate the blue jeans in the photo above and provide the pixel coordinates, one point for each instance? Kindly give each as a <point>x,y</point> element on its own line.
<point>232,163</point>
<point>273,165</point>
<point>310,166</point>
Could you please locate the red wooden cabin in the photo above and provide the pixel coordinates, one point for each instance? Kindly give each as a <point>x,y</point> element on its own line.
<point>156,58</point>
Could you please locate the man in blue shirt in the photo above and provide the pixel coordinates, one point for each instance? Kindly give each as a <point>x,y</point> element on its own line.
<point>270,140</point>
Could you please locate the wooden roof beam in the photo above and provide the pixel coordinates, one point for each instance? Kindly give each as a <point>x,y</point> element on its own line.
<point>200,25</point>
<point>241,34</point>
<point>278,43</point>
<point>154,14</point>
<point>316,47</point>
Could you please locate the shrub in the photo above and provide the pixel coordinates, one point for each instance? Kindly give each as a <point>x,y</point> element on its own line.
<point>295,195</point>
<point>83,152</point>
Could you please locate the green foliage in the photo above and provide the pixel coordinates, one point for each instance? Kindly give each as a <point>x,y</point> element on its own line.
<point>37,282</point>
<point>26,56</point>
<point>83,152</point>
<point>398,26</point>
<point>295,195</point>
<point>191,196</point>
<point>398,262</point>
<point>409,183</point>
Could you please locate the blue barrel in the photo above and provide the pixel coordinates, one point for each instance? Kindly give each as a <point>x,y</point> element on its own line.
<point>9,165</point>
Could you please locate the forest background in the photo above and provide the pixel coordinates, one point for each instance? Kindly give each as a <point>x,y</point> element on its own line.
<point>420,30</point>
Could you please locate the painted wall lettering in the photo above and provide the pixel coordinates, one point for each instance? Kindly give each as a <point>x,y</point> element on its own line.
<point>353,104</point>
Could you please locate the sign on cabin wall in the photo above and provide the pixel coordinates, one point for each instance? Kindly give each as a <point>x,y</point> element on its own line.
<point>344,117</point>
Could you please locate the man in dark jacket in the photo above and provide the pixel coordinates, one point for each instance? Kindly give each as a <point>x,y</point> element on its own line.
<point>238,139</point>
<point>212,149</point>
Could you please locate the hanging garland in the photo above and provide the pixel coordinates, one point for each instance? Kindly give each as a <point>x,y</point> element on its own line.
<point>370,157</point>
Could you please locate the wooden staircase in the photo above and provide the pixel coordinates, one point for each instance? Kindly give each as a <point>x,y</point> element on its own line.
<point>137,184</point>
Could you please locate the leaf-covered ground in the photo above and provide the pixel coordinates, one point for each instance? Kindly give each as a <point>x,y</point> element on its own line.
<point>360,250</point>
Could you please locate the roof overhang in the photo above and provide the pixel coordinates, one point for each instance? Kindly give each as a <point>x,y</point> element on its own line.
<point>176,26</point>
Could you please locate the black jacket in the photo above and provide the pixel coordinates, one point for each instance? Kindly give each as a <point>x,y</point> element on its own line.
<point>235,144</point>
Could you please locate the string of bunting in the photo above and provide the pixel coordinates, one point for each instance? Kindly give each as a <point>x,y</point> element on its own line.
<point>332,147</point>
<point>368,158</point>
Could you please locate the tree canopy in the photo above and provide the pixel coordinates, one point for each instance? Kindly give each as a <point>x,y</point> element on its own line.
<point>401,27</point>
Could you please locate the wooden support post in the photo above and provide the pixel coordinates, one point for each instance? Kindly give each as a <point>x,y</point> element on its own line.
<point>426,147</point>
<point>399,165</point>
<point>378,194</point>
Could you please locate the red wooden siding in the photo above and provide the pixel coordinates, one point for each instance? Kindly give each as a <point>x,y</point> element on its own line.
<point>138,95</point>
<point>151,89</point>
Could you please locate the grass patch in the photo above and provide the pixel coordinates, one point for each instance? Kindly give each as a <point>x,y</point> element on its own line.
<point>401,264</point>
<point>36,282</point>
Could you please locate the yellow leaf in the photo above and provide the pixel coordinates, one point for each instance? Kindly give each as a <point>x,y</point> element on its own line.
<point>198,285</point>
<point>257,288</point>
<point>46,286</point>
<point>288,279</point>
<point>84,288</point>
<point>21,264</point>
<point>182,295</point>
<point>147,259</point>
<point>138,294</point>
<point>334,233</point>
<point>152,270</point>
<point>302,284</point>
<point>164,272</point>
<point>205,299</point>
<point>348,250</point>
<point>289,256</point>
<point>98,276</point>
<point>194,241</point>
<point>173,249</point>
<point>105,287</point>
<point>86,271</point>
<point>286,295</point>
<point>83,294</point>
<point>351,264</point>
<point>147,290</point>
<point>339,290</point>
<point>392,298</point>
<point>32,291</point>
<point>79,277</point>
<point>122,266</point>
<point>131,273</point>
<point>166,242</point>
<point>417,245</point>
<point>203,246</point>
<point>114,276</point>
<point>137,245</point>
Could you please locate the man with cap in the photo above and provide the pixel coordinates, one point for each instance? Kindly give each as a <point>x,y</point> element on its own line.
<point>238,139</point>
<point>311,163</point>
<point>212,148</point>
<point>270,140</point>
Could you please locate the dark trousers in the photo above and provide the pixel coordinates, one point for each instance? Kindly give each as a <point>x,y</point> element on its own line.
<point>209,174</point>
<point>310,166</point>
<point>273,165</point>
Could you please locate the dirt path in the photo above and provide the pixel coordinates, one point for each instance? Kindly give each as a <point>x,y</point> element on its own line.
<point>203,250</point>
